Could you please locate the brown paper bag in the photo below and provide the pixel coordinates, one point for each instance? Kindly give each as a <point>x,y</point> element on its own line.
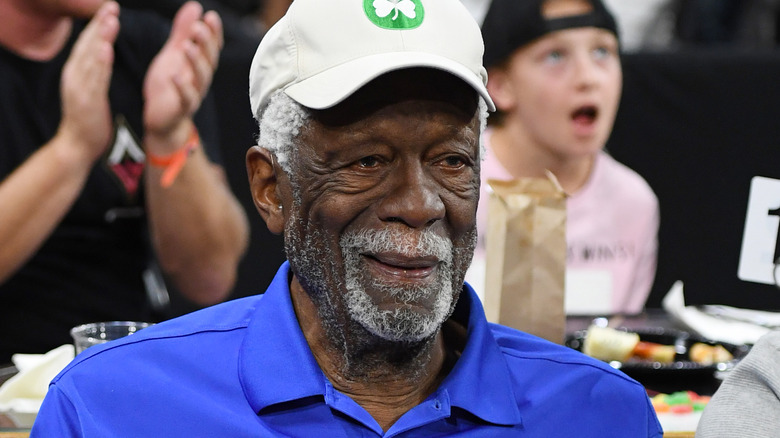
<point>526,256</point>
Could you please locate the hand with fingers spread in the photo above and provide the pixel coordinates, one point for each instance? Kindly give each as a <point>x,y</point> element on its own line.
<point>92,117</point>
<point>86,113</point>
<point>181,73</point>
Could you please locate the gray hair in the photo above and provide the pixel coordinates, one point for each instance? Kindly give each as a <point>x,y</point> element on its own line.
<point>282,119</point>
<point>280,123</point>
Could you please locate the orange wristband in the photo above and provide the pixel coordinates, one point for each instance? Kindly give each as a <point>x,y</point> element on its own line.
<point>173,163</point>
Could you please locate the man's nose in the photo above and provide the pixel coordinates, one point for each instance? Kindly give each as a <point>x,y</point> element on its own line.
<point>414,198</point>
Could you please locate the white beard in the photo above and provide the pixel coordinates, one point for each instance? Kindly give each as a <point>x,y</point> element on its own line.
<point>403,324</point>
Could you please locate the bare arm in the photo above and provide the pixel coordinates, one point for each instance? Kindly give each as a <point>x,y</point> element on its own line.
<point>199,229</point>
<point>38,194</point>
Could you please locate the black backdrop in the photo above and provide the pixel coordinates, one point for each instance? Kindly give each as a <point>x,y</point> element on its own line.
<point>698,126</point>
<point>239,132</point>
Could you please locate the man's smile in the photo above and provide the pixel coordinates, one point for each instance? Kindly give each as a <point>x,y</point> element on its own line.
<point>401,266</point>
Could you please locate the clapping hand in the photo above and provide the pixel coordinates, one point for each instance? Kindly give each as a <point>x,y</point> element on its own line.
<point>180,75</point>
<point>86,113</point>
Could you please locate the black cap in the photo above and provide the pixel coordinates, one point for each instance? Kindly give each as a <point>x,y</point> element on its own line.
<point>511,24</point>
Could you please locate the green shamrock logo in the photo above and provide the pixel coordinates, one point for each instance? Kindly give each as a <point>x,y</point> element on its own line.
<point>394,14</point>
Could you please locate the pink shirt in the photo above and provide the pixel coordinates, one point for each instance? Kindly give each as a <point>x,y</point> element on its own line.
<point>611,232</point>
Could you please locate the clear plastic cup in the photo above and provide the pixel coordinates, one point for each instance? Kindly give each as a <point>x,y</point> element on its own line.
<point>95,333</point>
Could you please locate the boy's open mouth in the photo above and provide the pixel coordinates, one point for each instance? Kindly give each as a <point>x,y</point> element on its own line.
<point>585,115</point>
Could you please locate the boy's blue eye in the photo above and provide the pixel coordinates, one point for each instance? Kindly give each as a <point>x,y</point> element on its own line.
<point>603,52</point>
<point>554,56</point>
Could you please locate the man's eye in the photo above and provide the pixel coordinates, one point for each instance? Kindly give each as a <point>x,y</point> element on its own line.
<point>454,161</point>
<point>368,162</point>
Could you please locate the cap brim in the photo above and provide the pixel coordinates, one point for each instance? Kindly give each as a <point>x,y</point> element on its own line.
<point>329,87</point>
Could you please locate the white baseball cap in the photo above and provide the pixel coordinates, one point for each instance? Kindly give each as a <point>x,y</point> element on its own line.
<point>322,51</point>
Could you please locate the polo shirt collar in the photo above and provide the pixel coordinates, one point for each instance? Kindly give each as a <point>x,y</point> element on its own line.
<point>480,382</point>
<point>276,364</point>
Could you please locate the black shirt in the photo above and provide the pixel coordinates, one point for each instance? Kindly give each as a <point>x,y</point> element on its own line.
<point>90,268</point>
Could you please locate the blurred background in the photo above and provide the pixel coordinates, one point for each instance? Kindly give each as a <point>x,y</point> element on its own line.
<point>698,120</point>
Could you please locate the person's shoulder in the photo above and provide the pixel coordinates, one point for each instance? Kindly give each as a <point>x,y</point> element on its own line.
<point>520,344</point>
<point>561,381</point>
<point>766,348</point>
<point>615,170</point>
<point>624,179</point>
<point>771,339</point>
<point>187,335</point>
<point>527,351</point>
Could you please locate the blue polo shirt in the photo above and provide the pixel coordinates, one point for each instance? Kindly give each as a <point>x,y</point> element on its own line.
<point>244,369</point>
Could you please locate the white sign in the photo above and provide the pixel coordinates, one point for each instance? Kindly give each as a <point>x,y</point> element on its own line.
<point>759,241</point>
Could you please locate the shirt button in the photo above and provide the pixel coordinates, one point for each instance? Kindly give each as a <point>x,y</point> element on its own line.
<point>437,405</point>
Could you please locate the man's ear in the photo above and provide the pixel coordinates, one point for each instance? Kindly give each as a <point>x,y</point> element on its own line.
<point>262,184</point>
<point>501,89</point>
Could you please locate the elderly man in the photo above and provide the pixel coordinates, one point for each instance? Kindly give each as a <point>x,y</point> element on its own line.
<point>370,115</point>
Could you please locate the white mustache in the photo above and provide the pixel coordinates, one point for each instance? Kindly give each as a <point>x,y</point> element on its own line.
<point>408,244</point>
